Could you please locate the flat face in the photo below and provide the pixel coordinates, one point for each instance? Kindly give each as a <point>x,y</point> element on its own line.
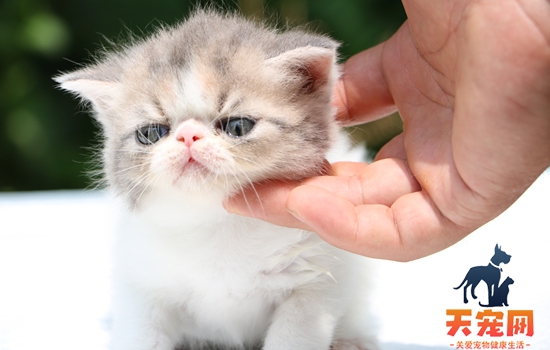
<point>192,109</point>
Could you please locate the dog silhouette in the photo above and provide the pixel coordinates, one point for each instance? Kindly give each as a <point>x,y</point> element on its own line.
<point>500,297</point>
<point>490,274</point>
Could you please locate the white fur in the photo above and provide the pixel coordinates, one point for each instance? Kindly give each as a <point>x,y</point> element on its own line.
<point>186,269</point>
<point>190,101</point>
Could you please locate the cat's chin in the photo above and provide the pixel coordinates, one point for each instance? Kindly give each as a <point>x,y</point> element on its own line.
<point>182,205</point>
<point>193,169</point>
<point>196,179</point>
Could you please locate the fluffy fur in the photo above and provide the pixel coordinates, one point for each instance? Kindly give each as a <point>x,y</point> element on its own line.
<point>188,274</point>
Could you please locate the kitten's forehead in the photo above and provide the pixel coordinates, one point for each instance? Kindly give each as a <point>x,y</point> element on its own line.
<point>195,88</point>
<point>202,69</point>
<point>210,86</point>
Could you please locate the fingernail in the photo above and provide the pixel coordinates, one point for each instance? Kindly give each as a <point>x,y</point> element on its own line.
<point>294,213</point>
<point>230,207</point>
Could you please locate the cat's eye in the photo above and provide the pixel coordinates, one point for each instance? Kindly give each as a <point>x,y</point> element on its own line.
<point>237,126</point>
<point>149,134</point>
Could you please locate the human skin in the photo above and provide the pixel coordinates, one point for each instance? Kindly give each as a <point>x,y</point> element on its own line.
<point>471,81</point>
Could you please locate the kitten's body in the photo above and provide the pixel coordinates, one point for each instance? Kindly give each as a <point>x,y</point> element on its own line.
<point>188,274</point>
<point>225,279</point>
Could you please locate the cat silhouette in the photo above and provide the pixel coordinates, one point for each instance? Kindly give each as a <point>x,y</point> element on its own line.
<point>490,274</point>
<point>500,297</point>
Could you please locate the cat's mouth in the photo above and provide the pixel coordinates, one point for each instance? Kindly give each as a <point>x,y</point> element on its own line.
<point>194,167</point>
<point>192,163</point>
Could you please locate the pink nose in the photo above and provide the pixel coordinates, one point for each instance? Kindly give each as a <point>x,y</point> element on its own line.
<point>189,132</point>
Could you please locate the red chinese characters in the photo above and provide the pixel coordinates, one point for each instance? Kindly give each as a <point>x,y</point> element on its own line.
<point>491,323</point>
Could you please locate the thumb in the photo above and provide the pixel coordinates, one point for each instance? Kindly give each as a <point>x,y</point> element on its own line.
<point>362,93</point>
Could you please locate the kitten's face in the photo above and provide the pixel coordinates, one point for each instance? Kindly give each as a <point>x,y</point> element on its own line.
<point>231,114</point>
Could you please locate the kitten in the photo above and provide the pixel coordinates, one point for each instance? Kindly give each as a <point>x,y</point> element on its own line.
<point>190,116</point>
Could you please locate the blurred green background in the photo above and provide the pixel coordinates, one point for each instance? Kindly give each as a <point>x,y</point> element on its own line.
<point>45,135</point>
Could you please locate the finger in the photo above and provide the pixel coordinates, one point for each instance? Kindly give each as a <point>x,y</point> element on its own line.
<point>265,201</point>
<point>348,168</point>
<point>381,182</point>
<point>362,94</point>
<point>409,229</point>
<point>395,148</point>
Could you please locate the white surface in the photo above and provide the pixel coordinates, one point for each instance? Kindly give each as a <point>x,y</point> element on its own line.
<point>55,266</point>
<point>54,271</point>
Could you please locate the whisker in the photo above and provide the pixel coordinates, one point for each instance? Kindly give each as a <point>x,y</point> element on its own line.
<point>251,185</point>
<point>250,161</point>
<point>132,167</point>
<point>153,179</point>
<point>140,179</point>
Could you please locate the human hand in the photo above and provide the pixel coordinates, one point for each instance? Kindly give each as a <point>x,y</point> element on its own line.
<point>471,80</point>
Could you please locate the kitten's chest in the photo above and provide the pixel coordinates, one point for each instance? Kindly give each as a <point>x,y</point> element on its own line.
<point>230,258</point>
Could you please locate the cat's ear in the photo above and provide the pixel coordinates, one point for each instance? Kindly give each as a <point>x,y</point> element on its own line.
<point>313,67</point>
<point>91,87</point>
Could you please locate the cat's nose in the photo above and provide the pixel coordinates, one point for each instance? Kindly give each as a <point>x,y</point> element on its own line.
<point>189,132</point>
